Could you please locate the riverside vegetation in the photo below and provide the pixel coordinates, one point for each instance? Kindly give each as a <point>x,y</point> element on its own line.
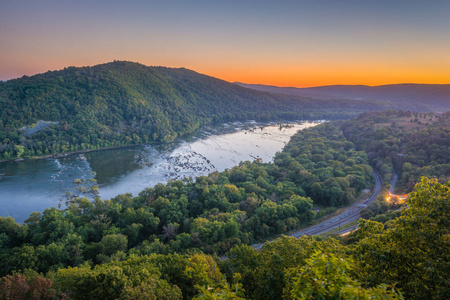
<point>123,103</point>
<point>163,244</point>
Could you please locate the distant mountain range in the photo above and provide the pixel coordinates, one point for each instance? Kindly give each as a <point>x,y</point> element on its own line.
<point>403,96</point>
<point>123,103</point>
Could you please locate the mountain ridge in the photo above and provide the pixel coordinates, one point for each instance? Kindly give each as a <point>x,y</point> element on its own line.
<point>123,103</point>
<point>420,96</point>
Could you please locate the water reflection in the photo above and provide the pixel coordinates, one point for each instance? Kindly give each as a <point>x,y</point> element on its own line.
<point>34,185</point>
<point>113,163</point>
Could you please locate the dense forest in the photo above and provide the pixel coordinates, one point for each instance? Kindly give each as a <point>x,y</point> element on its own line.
<point>124,103</point>
<point>166,242</point>
<point>407,257</point>
<point>212,213</point>
<point>410,143</point>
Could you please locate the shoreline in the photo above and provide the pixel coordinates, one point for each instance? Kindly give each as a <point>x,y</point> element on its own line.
<point>66,154</point>
<point>151,164</point>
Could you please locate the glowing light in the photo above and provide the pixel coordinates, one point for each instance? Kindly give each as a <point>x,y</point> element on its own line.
<point>396,198</point>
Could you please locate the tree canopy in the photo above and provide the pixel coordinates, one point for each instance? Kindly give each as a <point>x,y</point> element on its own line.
<point>123,103</point>
<point>165,243</point>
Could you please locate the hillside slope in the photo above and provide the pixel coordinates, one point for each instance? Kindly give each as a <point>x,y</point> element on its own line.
<point>419,97</point>
<point>123,103</point>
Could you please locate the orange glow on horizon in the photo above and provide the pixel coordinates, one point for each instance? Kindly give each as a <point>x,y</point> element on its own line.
<point>316,78</point>
<point>298,44</point>
<point>283,76</point>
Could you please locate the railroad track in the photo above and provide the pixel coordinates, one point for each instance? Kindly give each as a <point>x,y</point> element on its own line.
<point>349,215</point>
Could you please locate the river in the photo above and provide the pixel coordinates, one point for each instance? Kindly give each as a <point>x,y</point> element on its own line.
<point>34,185</point>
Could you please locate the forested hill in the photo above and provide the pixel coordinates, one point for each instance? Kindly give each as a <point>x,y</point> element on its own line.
<point>162,243</point>
<point>418,97</point>
<point>123,103</point>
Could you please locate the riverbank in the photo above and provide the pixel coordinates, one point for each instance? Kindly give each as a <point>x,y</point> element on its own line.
<point>286,124</point>
<point>36,184</point>
<point>66,154</point>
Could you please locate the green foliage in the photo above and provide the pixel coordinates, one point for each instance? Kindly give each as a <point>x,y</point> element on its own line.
<point>413,251</point>
<point>123,103</point>
<point>126,247</point>
<point>323,276</point>
<point>304,268</point>
<point>250,202</point>
<point>335,179</point>
<point>148,277</point>
<point>264,273</point>
<point>209,293</point>
<point>135,277</point>
<point>394,143</point>
<point>409,253</point>
<point>326,276</point>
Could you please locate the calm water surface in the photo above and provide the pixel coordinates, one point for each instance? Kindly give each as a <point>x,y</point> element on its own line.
<point>35,185</point>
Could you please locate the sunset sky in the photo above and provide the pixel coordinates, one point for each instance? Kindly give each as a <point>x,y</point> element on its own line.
<point>287,43</point>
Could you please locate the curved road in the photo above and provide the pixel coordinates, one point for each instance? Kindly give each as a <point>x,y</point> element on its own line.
<point>349,215</point>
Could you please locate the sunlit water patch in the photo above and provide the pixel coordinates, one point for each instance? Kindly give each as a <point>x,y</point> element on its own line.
<point>34,185</point>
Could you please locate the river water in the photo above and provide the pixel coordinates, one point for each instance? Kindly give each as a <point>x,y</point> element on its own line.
<point>34,185</point>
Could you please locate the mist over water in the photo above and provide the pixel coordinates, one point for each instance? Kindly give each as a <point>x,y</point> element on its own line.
<point>34,185</point>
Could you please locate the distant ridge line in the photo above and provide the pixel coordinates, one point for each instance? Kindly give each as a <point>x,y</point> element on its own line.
<point>434,96</point>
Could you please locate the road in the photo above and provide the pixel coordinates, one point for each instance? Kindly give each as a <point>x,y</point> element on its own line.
<point>394,181</point>
<point>350,214</point>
